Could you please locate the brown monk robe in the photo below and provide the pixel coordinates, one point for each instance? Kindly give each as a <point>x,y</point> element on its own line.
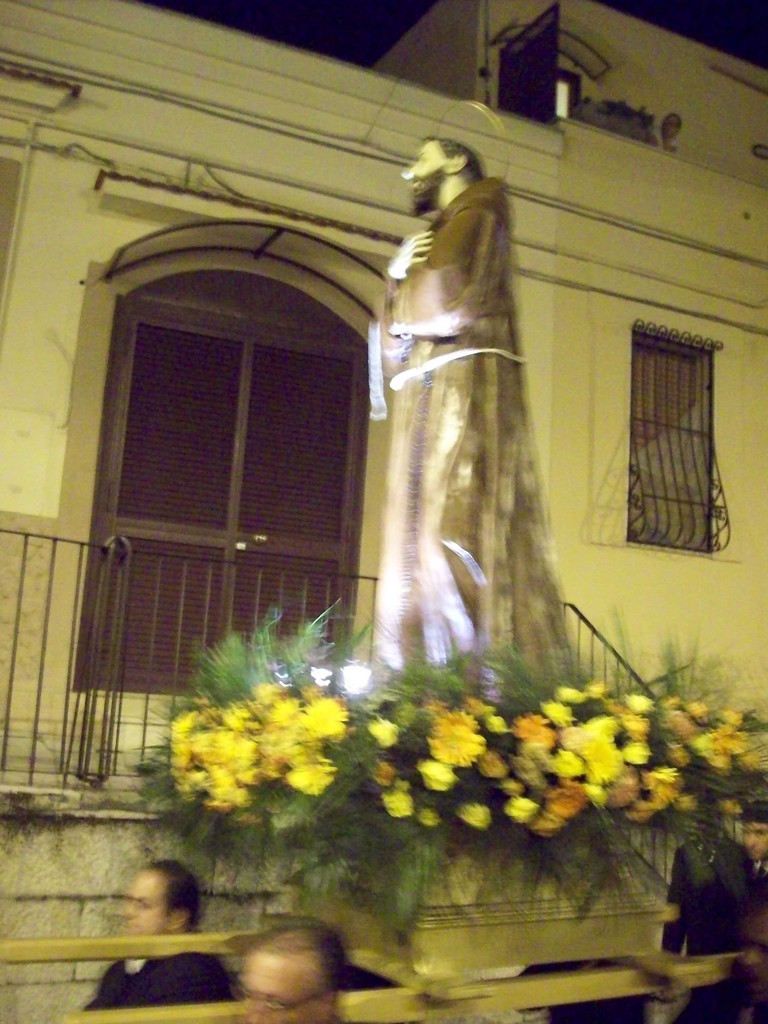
<point>467,555</point>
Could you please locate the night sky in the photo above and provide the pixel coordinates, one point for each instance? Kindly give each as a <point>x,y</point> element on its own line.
<point>361,31</point>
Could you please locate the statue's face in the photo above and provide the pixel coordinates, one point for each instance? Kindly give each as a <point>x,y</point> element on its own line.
<point>426,176</point>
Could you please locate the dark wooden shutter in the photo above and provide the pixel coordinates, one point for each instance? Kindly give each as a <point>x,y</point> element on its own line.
<point>177,456</point>
<point>528,69</point>
<point>296,444</point>
<point>232,457</point>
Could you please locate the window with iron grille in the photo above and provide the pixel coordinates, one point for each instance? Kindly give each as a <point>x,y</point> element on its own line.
<point>676,498</point>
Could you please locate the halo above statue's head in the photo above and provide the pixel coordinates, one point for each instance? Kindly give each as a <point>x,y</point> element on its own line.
<point>479,128</point>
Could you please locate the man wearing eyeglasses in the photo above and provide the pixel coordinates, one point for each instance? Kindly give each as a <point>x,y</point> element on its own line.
<point>293,973</point>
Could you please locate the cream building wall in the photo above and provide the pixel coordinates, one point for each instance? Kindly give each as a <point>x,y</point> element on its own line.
<point>607,231</point>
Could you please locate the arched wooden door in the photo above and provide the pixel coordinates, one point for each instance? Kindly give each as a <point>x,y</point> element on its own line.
<point>232,458</point>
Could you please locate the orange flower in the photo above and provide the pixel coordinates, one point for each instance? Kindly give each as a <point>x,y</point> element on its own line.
<point>492,765</point>
<point>384,773</point>
<point>682,725</point>
<point>642,811</point>
<point>534,729</point>
<point>566,800</point>
<point>625,790</point>
<point>546,824</point>
<point>678,755</point>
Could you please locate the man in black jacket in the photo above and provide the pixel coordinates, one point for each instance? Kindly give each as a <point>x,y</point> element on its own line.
<point>711,877</point>
<point>751,967</point>
<point>163,899</point>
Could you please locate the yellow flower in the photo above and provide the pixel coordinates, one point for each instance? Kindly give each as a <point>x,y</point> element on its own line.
<point>534,729</point>
<point>312,779</point>
<point>384,732</point>
<point>731,808</point>
<point>492,765</point>
<point>698,709</point>
<point>559,714</point>
<point>184,724</point>
<point>702,744</point>
<point>678,755</point>
<point>326,718</point>
<point>567,765</point>
<point>181,757</point>
<point>636,727</point>
<point>573,738</point>
<point>728,740</point>
<point>639,703</point>
<point>266,694</point>
<point>282,712</point>
<point>731,717</point>
<point>477,707</point>
<point>192,783</point>
<point>663,784</point>
<point>602,725</point>
<point>512,787</point>
<point>570,695</point>
<point>603,758</point>
<point>398,801</point>
<point>495,724</point>
<point>521,809</point>
<point>437,776</point>
<point>224,793</point>
<point>427,817</point>
<point>686,802</point>
<point>475,815</point>
<point>455,739</point>
<point>750,761</point>
<point>237,717</point>
<point>596,688</point>
<point>597,794</point>
<point>636,753</point>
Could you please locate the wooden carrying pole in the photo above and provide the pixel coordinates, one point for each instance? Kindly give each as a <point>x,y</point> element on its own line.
<point>418,997</point>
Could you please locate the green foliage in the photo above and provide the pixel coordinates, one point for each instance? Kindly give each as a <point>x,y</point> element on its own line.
<point>379,799</point>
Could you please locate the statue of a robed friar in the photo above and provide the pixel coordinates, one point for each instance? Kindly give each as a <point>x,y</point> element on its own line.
<point>467,559</point>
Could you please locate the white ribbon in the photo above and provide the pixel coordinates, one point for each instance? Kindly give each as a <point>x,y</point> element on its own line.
<point>404,376</point>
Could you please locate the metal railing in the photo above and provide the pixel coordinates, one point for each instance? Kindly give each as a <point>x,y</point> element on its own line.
<point>96,640</point>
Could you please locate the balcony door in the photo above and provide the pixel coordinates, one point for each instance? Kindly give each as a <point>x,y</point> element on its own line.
<point>232,459</point>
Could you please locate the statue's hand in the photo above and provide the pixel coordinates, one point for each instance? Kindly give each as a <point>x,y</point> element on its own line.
<point>413,250</point>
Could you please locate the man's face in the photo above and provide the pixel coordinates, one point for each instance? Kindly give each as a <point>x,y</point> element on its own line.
<point>755,839</point>
<point>752,963</point>
<point>426,176</point>
<point>145,911</point>
<point>286,988</point>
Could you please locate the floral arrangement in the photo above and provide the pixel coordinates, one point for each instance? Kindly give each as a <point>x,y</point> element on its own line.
<point>370,797</point>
